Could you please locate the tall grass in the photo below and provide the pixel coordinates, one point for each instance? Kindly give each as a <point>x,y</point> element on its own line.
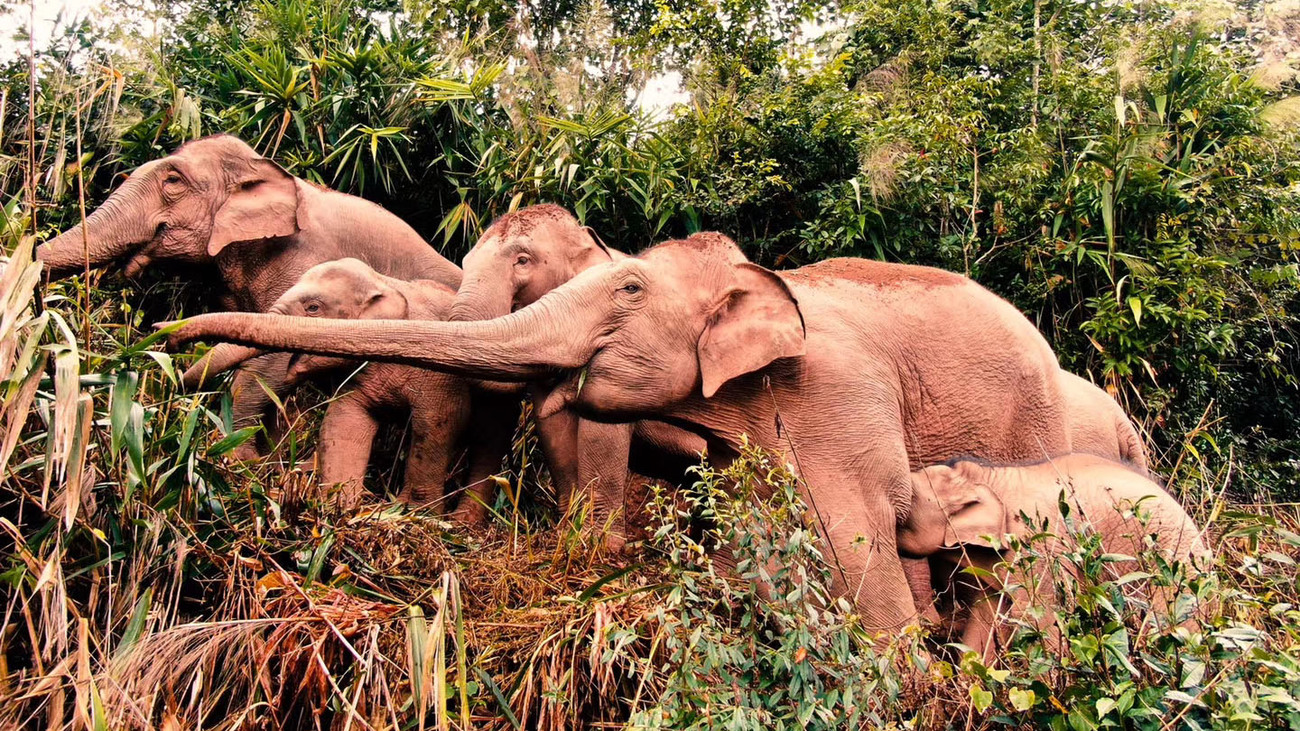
<point>148,582</point>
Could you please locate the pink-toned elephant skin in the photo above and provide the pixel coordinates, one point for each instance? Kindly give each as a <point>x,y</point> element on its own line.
<point>520,257</point>
<point>216,204</point>
<point>436,405</point>
<point>854,371</point>
<point>965,513</point>
<point>1098,425</point>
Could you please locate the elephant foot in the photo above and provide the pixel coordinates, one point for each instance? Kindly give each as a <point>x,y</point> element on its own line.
<point>420,500</point>
<point>471,515</point>
<point>616,544</point>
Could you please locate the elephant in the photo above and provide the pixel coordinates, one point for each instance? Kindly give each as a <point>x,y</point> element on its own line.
<point>1098,425</point>
<point>853,371</point>
<point>964,510</point>
<point>520,257</point>
<point>438,404</point>
<point>217,204</point>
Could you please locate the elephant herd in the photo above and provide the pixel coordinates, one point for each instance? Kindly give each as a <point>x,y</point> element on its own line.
<point>926,417</point>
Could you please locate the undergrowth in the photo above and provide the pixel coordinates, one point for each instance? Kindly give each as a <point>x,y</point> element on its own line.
<point>150,583</point>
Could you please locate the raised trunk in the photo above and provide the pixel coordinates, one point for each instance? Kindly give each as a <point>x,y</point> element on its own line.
<point>115,229</point>
<point>476,300</point>
<point>555,334</point>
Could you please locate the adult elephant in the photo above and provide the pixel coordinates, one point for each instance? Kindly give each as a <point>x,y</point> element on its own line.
<point>853,370</point>
<point>520,257</point>
<point>217,204</point>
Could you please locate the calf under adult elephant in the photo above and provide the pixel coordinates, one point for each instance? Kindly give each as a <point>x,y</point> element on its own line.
<point>854,371</point>
<point>217,204</point>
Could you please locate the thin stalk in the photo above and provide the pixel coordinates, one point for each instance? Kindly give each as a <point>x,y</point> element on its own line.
<point>85,234</point>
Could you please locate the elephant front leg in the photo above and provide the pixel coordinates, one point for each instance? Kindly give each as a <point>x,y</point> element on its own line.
<point>856,519</point>
<point>558,436</point>
<point>347,435</point>
<point>602,472</point>
<point>251,405</point>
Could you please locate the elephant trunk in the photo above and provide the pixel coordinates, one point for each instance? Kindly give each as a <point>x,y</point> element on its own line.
<point>115,229</point>
<point>479,300</point>
<point>222,358</point>
<point>558,333</point>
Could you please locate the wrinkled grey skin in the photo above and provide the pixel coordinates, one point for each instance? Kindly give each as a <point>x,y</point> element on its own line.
<point>436,404</point>
<point>965,513</point>
<point>217,204</point>
<point>853,371</point>
<point>522,256</point>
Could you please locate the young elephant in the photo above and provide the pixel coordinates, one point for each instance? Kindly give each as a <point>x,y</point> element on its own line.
<point>438,404</point>
<point>963,511</point>
<point>522,256</point>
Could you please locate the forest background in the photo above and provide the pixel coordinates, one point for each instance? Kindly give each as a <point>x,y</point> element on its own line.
<point>1127,173</point>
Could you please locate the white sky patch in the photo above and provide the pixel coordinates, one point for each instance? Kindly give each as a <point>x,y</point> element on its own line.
<point>50,16</point>
<point>661,93</point>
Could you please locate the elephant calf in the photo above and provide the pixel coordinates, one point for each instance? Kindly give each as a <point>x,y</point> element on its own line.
<point>438,404</point>
<point>963,511</point>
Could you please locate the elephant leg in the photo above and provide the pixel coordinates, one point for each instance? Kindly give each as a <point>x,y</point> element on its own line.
<point>491,428</point>
<point>856,505</point>
<point>918,580</point>
<point>347,435</point>
<point>250,403</point>
<point>439,414</point>
<point>558,436</point>
<point>602,472</point>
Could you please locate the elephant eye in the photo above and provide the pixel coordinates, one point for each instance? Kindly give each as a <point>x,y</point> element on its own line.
<point>630,288</point>
<point>522,260</point>
<point>173,179</point>
<point>313,308</point>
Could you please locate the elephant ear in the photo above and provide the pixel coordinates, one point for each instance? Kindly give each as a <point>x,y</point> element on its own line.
<point>385,302</point>
<point>261,204</point>
<point>974,512</point>
<point>757,322</point>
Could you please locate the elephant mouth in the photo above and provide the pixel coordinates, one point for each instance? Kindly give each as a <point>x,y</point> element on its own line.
<point>563,392</point>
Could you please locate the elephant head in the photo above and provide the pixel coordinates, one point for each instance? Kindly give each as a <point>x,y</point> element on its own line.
<point>346,289</point>
<point>953,504</point>
<point>186,207</point>
<point>622,340</point>
<point>522,256</point>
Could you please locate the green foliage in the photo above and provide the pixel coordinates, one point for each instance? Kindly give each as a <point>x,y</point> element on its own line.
<point>1220,653</point>
<point>760,644</point>
<point>1119,173</point>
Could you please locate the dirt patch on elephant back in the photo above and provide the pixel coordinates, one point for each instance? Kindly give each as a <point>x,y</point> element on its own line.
<point>523,221</point>
<point>875,274</point>
<point>707,242</point>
